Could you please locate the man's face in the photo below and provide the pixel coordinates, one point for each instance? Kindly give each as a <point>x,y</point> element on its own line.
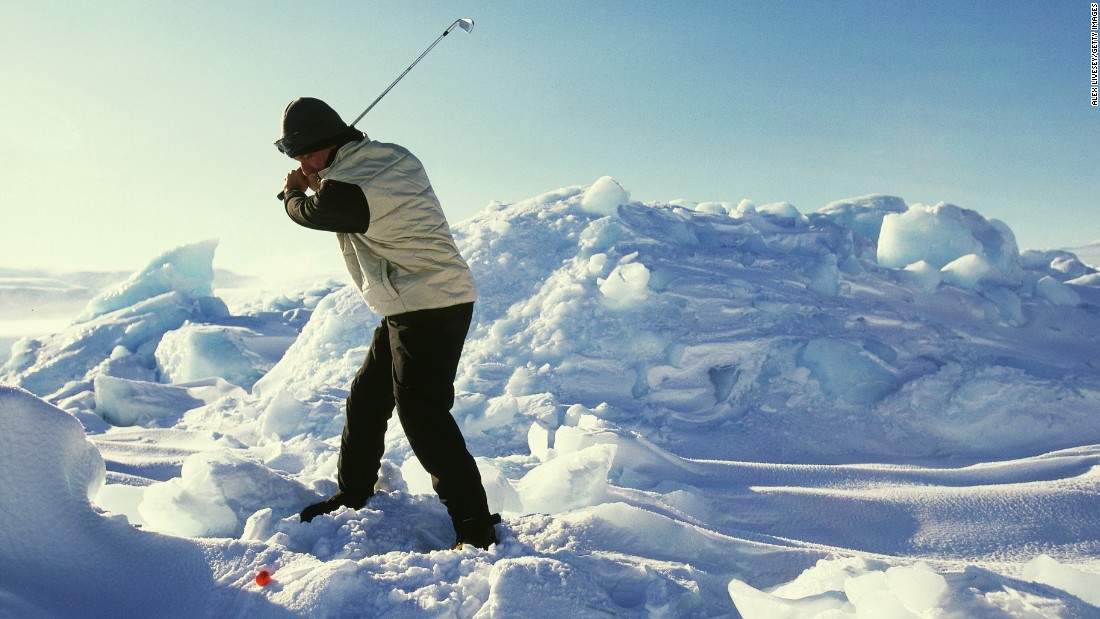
<point>313,162</point>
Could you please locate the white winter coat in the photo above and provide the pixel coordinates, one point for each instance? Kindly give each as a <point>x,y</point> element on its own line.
<point>407,259</point>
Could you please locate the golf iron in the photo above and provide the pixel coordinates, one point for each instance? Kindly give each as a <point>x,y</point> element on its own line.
<point>465,23</point>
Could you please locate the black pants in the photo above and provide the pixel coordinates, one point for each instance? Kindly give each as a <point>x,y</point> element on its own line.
<point>411,364</point>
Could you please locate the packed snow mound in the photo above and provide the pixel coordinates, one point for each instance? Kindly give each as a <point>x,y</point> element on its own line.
<point>60,555</point>
<point>726,331</point>
<point>304,393</point>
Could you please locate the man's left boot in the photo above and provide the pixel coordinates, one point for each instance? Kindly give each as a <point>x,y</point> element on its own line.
<point>478,532</point>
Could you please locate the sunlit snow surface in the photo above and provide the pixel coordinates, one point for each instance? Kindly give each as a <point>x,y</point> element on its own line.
<point>681,410</point>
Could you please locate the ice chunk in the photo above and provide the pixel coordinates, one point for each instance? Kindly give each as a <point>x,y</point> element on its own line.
<point>498,489</point>
<point>900,592</point>
<point>1008,304</point>
<point>753,603</point>
<point>966,271</point>
<point>284,416</point>
<point>716,208</point>
<point>196,351</point>
<point>417,480</point>
<point>781,210</point>
<point>943,233</point>
<point>329,350</point>
<point>604,197</point>
<point>215,495</point>
<point>846,371</point>
<point>1044,569</point>
<point>187,270</point>
<point>933,234</point>
<point>500,493</point>
<point>873,597</point>
<point>828,574</point>
<point>626,286</point>
<point>824,277</point>
<point>568,482</point>
<point>864,586</point>
<point>124,402</point>
<point>1092,280</point>
<point>1056,292</point>
<point>918,586</point>
<point>538,440</point>
<point>1061,265</point>
<point>863,215</point>
<point>499,412</point>
<point>922,275</point>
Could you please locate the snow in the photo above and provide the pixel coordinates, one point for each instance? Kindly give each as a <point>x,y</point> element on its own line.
<point>685,409</point>
<point>966,271</point>
<point>1045,570</point>
<point>194,352</point>
<point>604,196</point>
<point>626,286</point>
<point>62,557</point>
<point>1056,292</point>
<point>943,234</point>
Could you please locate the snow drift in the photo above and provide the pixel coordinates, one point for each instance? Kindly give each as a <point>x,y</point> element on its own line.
<point>61,556</point>
<point>682,409</point>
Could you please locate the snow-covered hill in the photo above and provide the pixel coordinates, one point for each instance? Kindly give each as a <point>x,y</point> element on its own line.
<point>686,409</point>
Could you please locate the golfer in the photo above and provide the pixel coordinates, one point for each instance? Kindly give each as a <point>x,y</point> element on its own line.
<point>399,250</point>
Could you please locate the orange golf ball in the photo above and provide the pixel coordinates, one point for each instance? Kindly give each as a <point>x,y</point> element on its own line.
<point>263,578</point>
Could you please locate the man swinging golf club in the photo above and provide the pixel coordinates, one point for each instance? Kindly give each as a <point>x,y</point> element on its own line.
<point>400,253</point>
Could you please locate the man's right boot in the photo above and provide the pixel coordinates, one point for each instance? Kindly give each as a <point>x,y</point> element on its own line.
<point>333,503</point>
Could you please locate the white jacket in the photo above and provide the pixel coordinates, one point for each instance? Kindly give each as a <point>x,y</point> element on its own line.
<point>407,259</point>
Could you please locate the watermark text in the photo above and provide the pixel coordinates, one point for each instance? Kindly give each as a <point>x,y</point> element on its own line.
<point>1094,9</point>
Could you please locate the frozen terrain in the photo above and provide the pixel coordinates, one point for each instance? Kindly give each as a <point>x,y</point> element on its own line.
<point>683,409</point>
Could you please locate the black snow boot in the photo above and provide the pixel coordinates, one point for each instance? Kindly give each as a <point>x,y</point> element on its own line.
<point>478,532</point>
<point>333,503</point>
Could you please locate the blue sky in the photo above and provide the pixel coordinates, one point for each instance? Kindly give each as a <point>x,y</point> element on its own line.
<point>129,127</point>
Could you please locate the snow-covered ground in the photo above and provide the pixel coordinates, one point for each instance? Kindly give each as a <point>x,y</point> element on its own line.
<point>691,409</point>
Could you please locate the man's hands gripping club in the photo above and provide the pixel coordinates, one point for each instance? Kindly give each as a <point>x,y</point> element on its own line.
<point>299,180</point>
<point>305,177</point>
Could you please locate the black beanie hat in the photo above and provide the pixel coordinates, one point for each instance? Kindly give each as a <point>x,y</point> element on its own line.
<point>309,125</point>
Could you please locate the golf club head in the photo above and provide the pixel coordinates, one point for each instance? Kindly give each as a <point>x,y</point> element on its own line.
<point>466,24</point>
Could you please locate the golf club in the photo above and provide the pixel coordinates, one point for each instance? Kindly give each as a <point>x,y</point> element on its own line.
<point>465,23</point>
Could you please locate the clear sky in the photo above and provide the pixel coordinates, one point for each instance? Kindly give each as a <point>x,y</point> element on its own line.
<point>130,127</point>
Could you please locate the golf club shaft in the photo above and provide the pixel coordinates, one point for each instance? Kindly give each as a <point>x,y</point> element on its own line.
<point>406,72</point>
